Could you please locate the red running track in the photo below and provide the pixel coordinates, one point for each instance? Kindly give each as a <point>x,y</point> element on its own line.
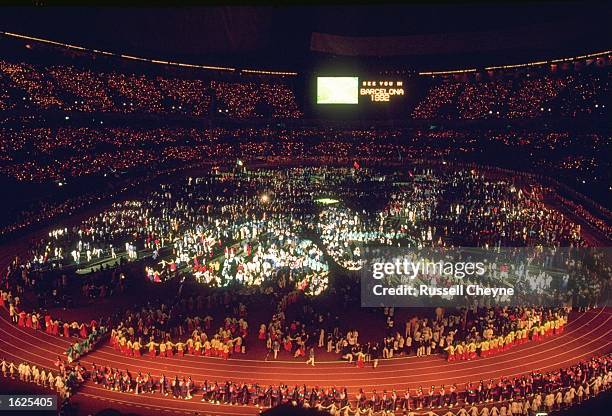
<point>587,334</point>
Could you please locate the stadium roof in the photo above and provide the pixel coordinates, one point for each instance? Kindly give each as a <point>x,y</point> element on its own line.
<point>425,36</point>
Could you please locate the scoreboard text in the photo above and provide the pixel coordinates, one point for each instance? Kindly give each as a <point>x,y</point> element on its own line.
<point>381,91</point>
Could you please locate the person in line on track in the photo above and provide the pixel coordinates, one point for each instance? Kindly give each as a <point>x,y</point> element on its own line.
<point>528,392</point>
<point>311,357</point>
<point>63,381</point>
<point>515,392</point>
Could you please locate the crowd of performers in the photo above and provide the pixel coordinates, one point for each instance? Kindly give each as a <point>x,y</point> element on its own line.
<point>223,237</point>
<point>301,323</point>
<point>57,286</point>
<point>183,327</point>
<point>83,346</point>
<point>440,210</point>
<point>504,329</point>
<point>86,335</point>
<point>531,392</point>
<point>63,379</point>
<point>247,228</point>
<point>43,321</point>
<point>186,328</point>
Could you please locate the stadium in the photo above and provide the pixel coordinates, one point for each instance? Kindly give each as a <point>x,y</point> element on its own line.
<point>319,210</point>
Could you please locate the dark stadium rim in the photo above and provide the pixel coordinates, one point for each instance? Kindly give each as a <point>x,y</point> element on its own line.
<point>250,71</point>
<point>147,60</point>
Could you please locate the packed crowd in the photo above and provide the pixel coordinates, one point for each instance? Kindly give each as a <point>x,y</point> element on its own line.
<point>597,222</point>
<point>43,154</point>
<point>220,244</point>
<point>56,156</point>
<point>512,98</point>
<point>54,205</point>
<point>64,87</point>
<point>244,100</point>
<point>266,232</point>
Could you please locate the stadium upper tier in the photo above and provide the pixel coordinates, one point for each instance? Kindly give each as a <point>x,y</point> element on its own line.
<point>570,95</point>
<point>529,94</point>
<point>30,87</point>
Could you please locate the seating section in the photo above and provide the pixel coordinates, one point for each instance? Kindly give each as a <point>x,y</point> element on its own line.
<point>67,88</point>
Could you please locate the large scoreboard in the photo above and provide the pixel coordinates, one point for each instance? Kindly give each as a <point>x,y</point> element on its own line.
<point>341,96</point>
<point>352,90</point>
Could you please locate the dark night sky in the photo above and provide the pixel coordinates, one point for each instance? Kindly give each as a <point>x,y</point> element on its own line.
<point>283,34</point>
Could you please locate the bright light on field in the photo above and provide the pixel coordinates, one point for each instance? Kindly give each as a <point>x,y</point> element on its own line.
<point>265,198</point>
<point>326,201</point>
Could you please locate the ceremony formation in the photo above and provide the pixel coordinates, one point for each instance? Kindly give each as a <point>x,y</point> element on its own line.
<point>306,210</point>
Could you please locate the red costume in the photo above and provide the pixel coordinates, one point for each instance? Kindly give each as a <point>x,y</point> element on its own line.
<point>22,317</point>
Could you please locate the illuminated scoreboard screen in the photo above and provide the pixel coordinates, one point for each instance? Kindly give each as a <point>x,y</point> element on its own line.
<point>348,93</point>
<point>353,90</point>
<point>337,90</point>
